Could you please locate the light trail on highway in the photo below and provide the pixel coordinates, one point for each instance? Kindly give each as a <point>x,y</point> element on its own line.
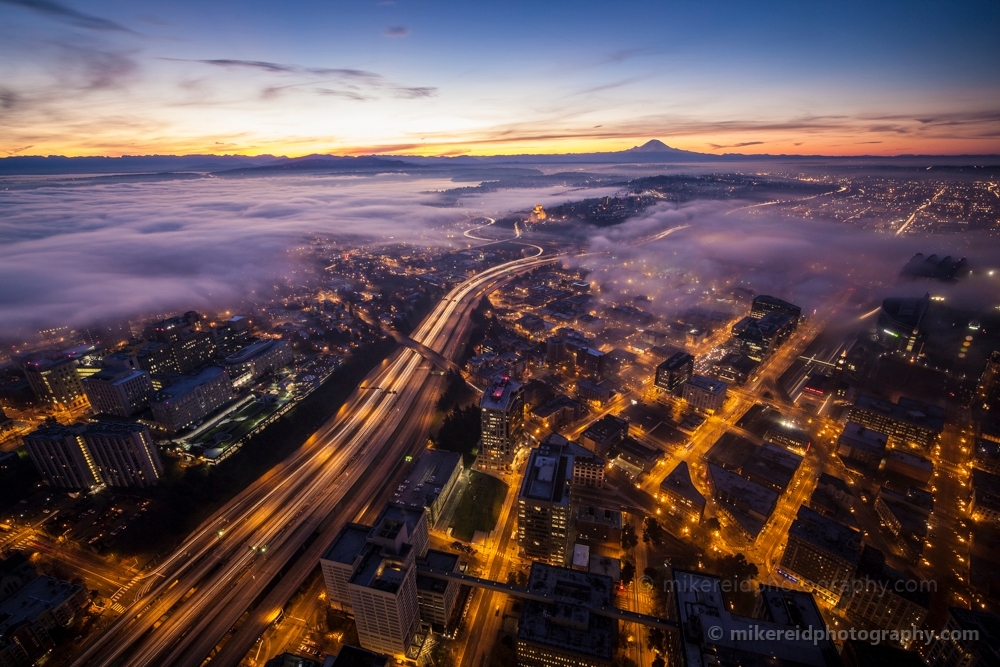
<point>206,585</point>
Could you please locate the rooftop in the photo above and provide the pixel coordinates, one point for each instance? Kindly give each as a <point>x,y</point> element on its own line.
<point>823,532</point>
<point>499,394</point>
<point>707,384</point>
<point>348,544</point>
<point>857,436</point>
<point>606,427</point>
<point>426,479</point>
<point>679,482</point>
<point>905,410</point>
<point>184,384</point>
<point>566,623</point>
<point>548,476</point>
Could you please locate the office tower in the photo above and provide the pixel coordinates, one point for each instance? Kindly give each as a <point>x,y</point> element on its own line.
<point>232,335</point>
<point>190,346</point>
<point>862,446</point>
<point>371,572</point>
<point>704,394</point>
<point>590,362</point>
<point>436,597</point>
<point>155,358</point>
<point>189,398</point>
<point>86,455</point>
<point>758,338</point>
<point>557,634</point>
<point>988,389</point>
<point>674,372</point>
<point>555,350</point>
<point>972,640</point>
<point>900,324</point>
<point>118,391</point>
<point>61,456</point>
<point>55,382</point>
<point>256,359</point>
<point>543,504</point>
<point>764,304</point>
<point>747,503</point>
<point>883,598</point>
<point>502,415</point>
<point>907,422</point>
<point>711,634</point>
<point>680,494</point>
<point>821,553</point>
<point>124,453</point>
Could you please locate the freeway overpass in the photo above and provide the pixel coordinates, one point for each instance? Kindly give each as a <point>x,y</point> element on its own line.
<point>525,594</point>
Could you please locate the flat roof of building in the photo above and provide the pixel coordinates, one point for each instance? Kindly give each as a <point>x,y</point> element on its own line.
<point>759,498</point>
<point>857,436</point>
<point>605,427</point>
<point>547,476</point>
<point>114,375</point>
<point>439,560</point>
<point>183,384</point>
<point>499,394</point>
<point>679,482</point>
<point>253,349</point>
<point>569,626</point>
<point>701,605</point>
<point>426,479</point>
<point>825,533</point>
<point>599,515</point>
<point>348,544</point>
<point>905,410</point>
<point>707,384</point>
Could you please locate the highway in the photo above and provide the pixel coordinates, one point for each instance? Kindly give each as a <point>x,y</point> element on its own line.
<point>192,600</point>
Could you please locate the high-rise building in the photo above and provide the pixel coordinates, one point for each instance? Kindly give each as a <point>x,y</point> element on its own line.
<point>543,504</point>
<point>988,389</point>
<point>118,391</point>
<point>881,598</point>
<point>124,453</point>
<point>83,456</point>
<point>704,394</point>
<point>674,372</point>
<point>436,597</point>
<point>861,445</point>
<point>502,420</point>
<point>55,382</point>
<point>590,362</point>
<point>758,338</point>
<point>764,304</point>
<point>61,456</point>
<point>371,572</point>
<point>710,634</point>
<point>972,640</point>
<point>232,335</point>
<point>256,359</point>
<point>907,422</point>
<point>900,324</point>
<point>190,346</point>
<point>821,553</point>
<point>189,398</point>
<point>562,635</point>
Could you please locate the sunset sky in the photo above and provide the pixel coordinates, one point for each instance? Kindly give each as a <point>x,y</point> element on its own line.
<point>294,78</point>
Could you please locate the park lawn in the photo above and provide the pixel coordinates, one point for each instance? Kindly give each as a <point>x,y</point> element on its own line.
<point>480,506</point>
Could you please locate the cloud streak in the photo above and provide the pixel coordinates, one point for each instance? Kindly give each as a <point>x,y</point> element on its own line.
<point>64,14</point>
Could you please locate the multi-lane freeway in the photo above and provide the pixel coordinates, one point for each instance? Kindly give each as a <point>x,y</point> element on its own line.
<point>272,531</point>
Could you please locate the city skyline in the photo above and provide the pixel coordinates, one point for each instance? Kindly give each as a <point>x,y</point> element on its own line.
<point>93,78</point>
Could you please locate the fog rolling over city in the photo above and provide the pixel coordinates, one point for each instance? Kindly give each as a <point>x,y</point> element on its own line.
<point>716,246</point>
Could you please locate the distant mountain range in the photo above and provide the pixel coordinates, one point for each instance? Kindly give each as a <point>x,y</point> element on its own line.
<point>651,152</point>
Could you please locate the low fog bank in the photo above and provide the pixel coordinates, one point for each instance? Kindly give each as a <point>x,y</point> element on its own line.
<point>715,248</point>
<point>75,251</point>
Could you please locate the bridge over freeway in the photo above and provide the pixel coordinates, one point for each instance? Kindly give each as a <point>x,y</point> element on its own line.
<point>525,594</point>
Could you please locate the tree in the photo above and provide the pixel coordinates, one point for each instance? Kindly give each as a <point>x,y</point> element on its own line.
<point>656,640</point>
<point>628,572</point>
<point>652,531</point>
<point>629,538</point>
